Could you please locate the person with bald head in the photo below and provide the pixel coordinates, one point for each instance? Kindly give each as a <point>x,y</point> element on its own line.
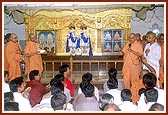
<point>152,53</point>
<point>132,66</point>
<point>111,107</point>
<point>14,56</point>
<point>33,58</point>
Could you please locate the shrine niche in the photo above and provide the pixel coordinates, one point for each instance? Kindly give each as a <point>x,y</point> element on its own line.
<point>98,24</point>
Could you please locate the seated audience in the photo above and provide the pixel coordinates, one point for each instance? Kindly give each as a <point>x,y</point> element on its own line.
<point>11,106</point>
<point>112,84</point>
<point>45,104</point>
<point>150,97</point>
<point>105,99</point>
<point>149,81</point>
<point>37,88</point>
<point>58,101</point>
<point>8,97</point>
<point>156,107</point>
<point>127,105</point>
<point>65,71</point>
<point>17,86</point>
<point>6,82</point>
<point>89,103</point>
<point>112,73</point>
<point>87,79</point>
<point>111,107</point>
<point>54,82</point>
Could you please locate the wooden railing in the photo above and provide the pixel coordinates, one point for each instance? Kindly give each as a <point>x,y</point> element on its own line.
<point>79,67</point>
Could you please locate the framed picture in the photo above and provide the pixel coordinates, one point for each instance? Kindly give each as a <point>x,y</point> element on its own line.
<point>112,41</point>
<point>46,40</point>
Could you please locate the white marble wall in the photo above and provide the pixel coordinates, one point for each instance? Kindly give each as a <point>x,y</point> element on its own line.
<point>142,27</point>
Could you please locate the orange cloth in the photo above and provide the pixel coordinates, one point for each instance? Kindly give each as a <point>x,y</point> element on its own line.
<point>33,62</point>
<point>6,63</point>
<point>132,66</point>
<point>135,90</point>
<point>161,71</point>
<point>13,59</point>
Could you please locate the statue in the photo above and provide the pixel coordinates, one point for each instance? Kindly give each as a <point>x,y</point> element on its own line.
<point>85,43</point>
<point>73,42</point>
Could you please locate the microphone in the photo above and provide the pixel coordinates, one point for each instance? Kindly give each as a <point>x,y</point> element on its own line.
<point>129,45</point>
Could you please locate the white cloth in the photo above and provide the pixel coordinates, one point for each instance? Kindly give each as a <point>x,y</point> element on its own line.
<point>153,56</point>
<point>161,98</point>
<point>47,107</point>
<point>127,106</point>
<point>72,44</point>
<point>47,97</point>
<point>67,93</point>
<point>96,92</point>
<point>116,94</point>
<point>42,107</point>
<point>146,106</point>
<point>6,87</point>
<point>24,104</point>
<point>105,87</point>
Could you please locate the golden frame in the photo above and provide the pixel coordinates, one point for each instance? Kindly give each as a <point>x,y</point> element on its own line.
<point>47,40</point>
<point>112,41</point>
<point>59,21</point>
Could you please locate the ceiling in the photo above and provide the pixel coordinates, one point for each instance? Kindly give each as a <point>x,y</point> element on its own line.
<point>19,8</point>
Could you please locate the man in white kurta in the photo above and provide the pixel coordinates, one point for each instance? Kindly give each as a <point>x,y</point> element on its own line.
<point>152,53</point>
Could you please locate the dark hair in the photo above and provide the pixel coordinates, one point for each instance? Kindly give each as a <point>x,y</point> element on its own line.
<point>150,32</point>
<point>56,79</point>
<point>126,95</point>
<point>105,99</point>
<point>58,100</point>
<point>112,73</point>
<point>63,68</point>
<point>156,107</point>
<point>112,82</point>
<point>8,35</point>
<point>59,78</point>
<point>71,27</point>
<point>161,34</point>
<point>33,73</point>
<point>86,79</point>
<point>151,95</point>
<point>5,73</point>
<point>8,96</point>
<point>149,80</point>
<point>58,87</point>
<point>88,90</point>
<point>11,106</point>
<point>15,84</point>
<point>142,90</point>
<point>83,27</point>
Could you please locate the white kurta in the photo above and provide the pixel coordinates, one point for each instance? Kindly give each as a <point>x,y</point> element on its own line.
<point>153,56</point>
<point>24,104</point>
